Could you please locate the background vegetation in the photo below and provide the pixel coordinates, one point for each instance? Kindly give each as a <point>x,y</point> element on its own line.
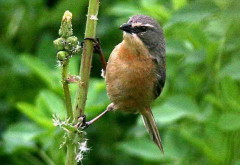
<point>198,113</point>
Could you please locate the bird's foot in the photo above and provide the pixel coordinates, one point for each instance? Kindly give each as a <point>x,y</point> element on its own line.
<point>97,44</point>
<point>97,49</point>
<point>83,124</point>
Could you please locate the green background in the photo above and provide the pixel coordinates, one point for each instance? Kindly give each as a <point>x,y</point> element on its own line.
<point>198,113</point>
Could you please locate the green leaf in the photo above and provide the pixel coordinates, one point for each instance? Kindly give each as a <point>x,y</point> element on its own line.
<point>176,47</point>
<point>196,57</point>
<point>97,97</point>
<point>175,108</point>
<point>50,103</point>
<point>142,148</point>
<point>46,51</point>
<point>229,122</point>
<point>20,135</point>
<point>200,144</point>
<point>194,12</point>
<point>121,9</point>
<point>237,162</point>
<point>230,93</point>
<point>41,70</point>
<point>215,100</point>
<point>35,114</point>
<point>217,29</point>
<point>155,9</point>
<point>55,15</point>
<point>231,12</point>
<point>231,70</point>
<point>177,4</point>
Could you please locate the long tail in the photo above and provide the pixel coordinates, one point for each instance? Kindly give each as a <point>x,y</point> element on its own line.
<point>151,126</point>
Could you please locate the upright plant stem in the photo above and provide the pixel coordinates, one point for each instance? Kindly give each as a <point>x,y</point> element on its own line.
<point>66,33</point>
<point>71,152</point>
<point>66,89</point>
<point>71,147</point>
<point>86,59</point>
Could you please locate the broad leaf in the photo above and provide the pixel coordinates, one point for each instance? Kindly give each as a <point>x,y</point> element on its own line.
<point>142,148</point>
<point>229,122</point>
<point>35,114</point>
<point>176,107</point>
<point>21,135</point>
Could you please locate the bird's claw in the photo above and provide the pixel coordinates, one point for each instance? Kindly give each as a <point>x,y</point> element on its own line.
<point>83,122</point>
<point>96,42</point>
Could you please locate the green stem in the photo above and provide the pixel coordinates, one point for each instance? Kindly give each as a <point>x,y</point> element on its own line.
<point>71,148</point>
<point>86,59</point>
<point>71,152</point>
<point>67,95</point>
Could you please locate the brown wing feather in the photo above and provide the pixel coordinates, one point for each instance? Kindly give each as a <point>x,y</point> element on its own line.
<point>161,76</point>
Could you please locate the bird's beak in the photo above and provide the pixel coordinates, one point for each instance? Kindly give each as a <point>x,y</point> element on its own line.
<point>127,27</point>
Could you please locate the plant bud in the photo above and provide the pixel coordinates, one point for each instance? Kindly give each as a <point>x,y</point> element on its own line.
<point>66,25</point>
<point>71,43</point>
<point>62,55</point>
<point>72,40</point>
<point>59,43</point>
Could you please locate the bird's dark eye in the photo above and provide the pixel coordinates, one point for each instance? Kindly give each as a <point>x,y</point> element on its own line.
<point>142,28</point>
<point>139,29</point>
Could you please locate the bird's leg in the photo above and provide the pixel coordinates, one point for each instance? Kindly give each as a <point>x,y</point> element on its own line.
<point>98,50</point>
<point>86,124</point>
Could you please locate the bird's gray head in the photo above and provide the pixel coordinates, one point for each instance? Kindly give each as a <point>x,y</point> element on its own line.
<point>146,29</point>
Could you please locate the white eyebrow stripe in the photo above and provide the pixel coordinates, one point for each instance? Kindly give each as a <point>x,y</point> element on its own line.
<point>148,25</point>
<point>137,24</point>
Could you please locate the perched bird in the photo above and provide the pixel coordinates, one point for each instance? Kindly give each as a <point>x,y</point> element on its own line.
<point>136,70</point>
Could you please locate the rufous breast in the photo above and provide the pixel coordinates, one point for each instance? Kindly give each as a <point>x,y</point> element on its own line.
<point>130,76</point>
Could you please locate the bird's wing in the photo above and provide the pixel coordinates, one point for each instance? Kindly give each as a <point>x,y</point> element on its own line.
<point>161,76</point>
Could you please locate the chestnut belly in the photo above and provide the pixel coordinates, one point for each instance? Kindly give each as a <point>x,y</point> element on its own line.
<point>130,83</point>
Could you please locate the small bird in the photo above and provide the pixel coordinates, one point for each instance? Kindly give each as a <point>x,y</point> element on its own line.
<point>136,70</point>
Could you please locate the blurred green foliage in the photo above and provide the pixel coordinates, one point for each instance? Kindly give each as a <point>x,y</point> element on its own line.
<point>198,113</point>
